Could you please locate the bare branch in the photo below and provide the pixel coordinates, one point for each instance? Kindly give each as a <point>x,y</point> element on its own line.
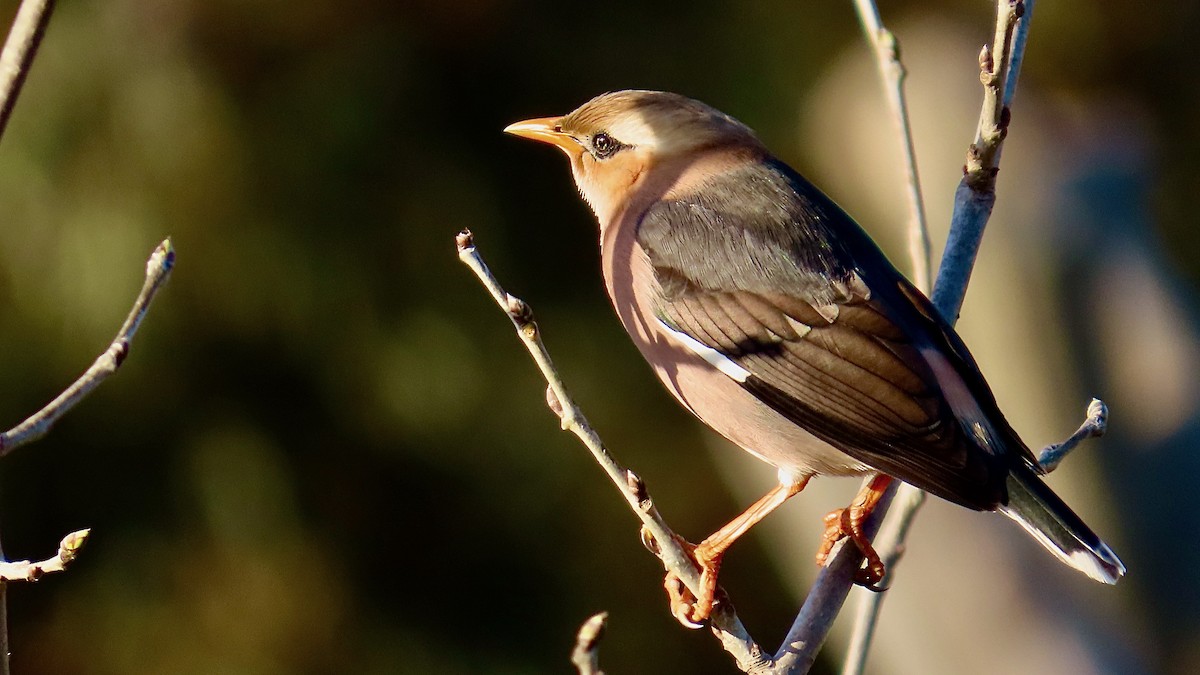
<point>1095,425</point>
<point>890,546</point>
<point>23,570</point>
<point>662,541</point>
<point>158,269</point>
<point>19,50</point>
<point>892,75</point>
<point>586,655</point>
<point>976,193</point>
<point>825,600</point>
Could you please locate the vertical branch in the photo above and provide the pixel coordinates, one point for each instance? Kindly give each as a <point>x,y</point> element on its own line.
<point>892,75</point>
<point>999,69</point>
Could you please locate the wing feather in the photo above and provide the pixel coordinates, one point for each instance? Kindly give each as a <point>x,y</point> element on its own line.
<point>833,336</point>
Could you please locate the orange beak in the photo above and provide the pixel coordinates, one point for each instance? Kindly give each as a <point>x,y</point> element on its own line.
<point>546,130</point>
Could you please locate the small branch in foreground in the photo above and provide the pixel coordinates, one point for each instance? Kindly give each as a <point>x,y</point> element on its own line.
<point>586,655</point>
<point>24,570</point>
<point>158,270</point>
<point>664,542</point>
<point>19,49</point>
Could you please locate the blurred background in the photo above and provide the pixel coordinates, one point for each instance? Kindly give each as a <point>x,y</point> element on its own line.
<point>327,451</point>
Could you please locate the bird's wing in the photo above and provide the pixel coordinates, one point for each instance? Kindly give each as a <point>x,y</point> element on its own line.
<point>768,272</point>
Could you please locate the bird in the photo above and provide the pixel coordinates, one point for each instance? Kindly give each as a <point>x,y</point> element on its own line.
<point>773,317</point>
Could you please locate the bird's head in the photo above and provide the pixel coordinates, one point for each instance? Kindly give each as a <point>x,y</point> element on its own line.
<point>618,141</point>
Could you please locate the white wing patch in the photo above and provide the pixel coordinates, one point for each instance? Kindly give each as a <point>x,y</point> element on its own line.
<point>715,358</point>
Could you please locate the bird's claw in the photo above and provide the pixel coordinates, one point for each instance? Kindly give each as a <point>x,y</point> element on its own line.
<point>683,603</point>
<point>686,607</point>
<point>840,524</point>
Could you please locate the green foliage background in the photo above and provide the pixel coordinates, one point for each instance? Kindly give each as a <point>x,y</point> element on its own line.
<point>326,452</point>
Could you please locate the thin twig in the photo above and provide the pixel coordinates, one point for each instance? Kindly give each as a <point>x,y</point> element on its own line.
<point>158,270</point>
<point>24,570</point>
<point>890,546</point>
<point>892,75</point>
<point>19,50</point>
<point>586,655</point>
<point>1095,425</point>
<point>660,538</point>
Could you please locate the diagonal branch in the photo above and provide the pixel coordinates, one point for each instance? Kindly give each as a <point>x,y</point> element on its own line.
<point>158,269</point>
<point>1093,426</point>
<point>892,75</point>
<point>19,49</point>
<point>659,537</point>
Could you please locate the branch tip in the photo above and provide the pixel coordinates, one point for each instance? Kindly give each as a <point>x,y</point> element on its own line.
<point>464,240</point>
<point>24,570</point>
<point>72,544</point>
<point>158,271</point>
<point>586,655</point>
<point>1097,413</point>
<point>162,259</point>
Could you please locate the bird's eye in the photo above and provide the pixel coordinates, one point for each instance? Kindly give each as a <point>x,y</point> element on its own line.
<point>604,145</point>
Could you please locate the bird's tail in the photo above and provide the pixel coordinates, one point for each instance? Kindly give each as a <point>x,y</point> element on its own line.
<point>1032,504</point>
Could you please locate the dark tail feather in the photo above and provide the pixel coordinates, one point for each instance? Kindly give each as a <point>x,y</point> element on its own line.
<point>1032,504</point>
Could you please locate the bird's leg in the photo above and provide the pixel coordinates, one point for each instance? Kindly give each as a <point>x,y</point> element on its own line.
<point>691,610</point>
<point>848,522</point>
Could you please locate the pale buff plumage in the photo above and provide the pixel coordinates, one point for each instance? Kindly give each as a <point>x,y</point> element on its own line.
<point>673,150</point>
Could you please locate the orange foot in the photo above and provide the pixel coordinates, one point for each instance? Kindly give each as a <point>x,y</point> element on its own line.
<point>690,609</point>
<point>687,608</point>
<point>848,522</point>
